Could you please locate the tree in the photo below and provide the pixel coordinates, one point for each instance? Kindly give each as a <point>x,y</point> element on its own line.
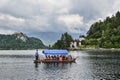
<point>13,42</point>
<point>64,42</point>
<point>105,33</point>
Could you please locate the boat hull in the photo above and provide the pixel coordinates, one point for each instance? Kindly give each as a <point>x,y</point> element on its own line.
<point>54,61</point>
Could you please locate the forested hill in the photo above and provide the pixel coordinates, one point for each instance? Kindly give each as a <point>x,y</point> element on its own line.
<point>20,41</point>
<point>105,34</point>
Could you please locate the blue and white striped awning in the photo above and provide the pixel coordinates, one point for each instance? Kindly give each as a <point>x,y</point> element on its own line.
<point>55,52</point>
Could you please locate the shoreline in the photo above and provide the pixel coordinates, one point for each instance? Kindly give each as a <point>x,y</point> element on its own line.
<point>77,49</point>
<point>95,49</point>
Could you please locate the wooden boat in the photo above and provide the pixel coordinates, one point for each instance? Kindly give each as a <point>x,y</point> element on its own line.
<point>55,53</point>
<point>54,61</point>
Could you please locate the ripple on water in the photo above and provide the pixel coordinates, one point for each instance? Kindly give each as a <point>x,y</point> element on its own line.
<point>88,66</point>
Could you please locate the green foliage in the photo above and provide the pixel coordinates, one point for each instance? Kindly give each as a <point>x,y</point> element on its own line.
<point>11,42</point>
<point>64,42</point>
<point>105,34</point>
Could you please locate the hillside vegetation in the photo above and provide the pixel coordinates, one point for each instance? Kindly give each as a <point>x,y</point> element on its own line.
<point>19,41</point>
<point>63,42</point>
<point>104,34</point>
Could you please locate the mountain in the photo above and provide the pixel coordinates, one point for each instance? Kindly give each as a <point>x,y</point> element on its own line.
<point>105,34</point>
<point>20,41</point>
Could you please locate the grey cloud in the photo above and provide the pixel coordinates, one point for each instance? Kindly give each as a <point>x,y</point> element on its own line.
<point>91,9</point>
<point>44,15</point>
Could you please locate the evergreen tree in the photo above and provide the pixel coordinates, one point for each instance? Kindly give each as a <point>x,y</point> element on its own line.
<point>64,42</point>
<point>105,34</point>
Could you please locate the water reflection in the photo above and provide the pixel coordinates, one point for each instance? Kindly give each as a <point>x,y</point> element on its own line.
<point>53,65</point>
<point>36,65</point>
<point>56,71</point>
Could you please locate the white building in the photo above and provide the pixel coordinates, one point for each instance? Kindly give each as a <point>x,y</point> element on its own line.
<point>77,42</point>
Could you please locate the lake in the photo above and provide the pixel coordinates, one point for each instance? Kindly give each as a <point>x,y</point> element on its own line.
<point>90,65</point>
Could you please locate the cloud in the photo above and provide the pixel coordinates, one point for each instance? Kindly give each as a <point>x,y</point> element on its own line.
<point>28,8</point>
<point>3,31</point>
<point>39,16</point>
<point>51,7</point>
<point>11,22</point>
<point>37,23</point>
<point>72,22</point>
<point>11,18</point>
<point>35,16</point>
<point>3,3</point>
<point>45,15</point>
<point>115,6</point>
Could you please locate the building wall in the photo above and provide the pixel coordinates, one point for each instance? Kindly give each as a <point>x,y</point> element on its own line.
<point>75,42</point>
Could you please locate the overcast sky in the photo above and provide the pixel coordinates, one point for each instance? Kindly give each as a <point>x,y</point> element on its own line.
<point>53,16</point>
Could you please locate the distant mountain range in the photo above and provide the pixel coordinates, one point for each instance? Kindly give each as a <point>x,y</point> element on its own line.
<point>19,40</point>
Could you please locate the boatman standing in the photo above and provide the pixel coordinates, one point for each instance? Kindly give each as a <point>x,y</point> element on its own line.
<point>36,55</point>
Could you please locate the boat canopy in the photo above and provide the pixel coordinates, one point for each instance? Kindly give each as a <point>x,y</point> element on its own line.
<point>55,52</point>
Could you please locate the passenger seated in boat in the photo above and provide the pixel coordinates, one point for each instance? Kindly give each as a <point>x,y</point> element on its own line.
<point>46,57</point>
<point>49,57</point>
<point>66,57</point>
<point>63,58</point>
<point>54,57</point>
<point>69,57</point>
<point>57,58</point>
<point>60,58</point>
